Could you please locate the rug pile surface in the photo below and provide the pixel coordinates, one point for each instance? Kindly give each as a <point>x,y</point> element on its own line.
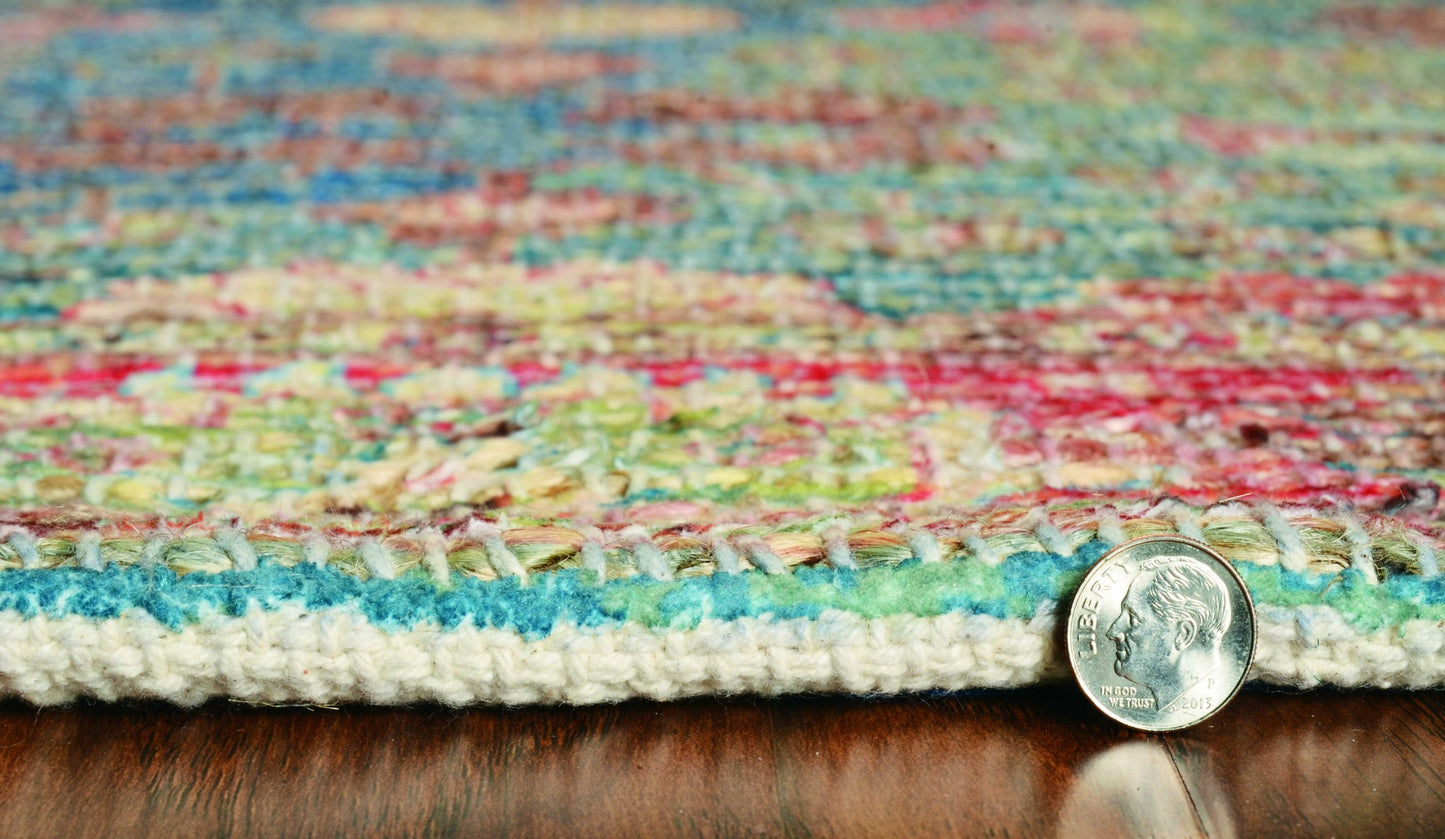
<point>573,352</point>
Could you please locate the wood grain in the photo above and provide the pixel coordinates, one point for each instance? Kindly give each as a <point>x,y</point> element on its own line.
<point>1022,763</point>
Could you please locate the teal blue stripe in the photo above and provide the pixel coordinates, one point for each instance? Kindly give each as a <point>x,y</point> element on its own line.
<point>1017,587</point>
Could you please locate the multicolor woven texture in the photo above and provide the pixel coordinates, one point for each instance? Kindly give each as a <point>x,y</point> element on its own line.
<point>562,352</point>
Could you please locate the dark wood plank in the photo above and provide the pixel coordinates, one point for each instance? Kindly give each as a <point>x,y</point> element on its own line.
<point>1325,763</point>
<point>640,769</point>
<point>1022,763</point>
<point>991,764</point>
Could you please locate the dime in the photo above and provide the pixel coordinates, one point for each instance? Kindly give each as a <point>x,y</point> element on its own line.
<point>1161,633</point>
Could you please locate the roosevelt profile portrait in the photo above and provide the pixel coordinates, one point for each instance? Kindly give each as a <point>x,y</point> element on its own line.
<point>1170,627</point>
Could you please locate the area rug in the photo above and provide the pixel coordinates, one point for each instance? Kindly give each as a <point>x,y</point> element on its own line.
<point>574,352</point>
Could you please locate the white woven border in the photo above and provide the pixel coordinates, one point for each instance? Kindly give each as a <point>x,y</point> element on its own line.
<point>335,656</point>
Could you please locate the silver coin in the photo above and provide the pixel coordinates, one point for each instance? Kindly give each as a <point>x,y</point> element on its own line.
<point>1161,633</point>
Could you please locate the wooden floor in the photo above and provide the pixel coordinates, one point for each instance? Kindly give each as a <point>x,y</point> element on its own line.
<point>1029,763</point>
